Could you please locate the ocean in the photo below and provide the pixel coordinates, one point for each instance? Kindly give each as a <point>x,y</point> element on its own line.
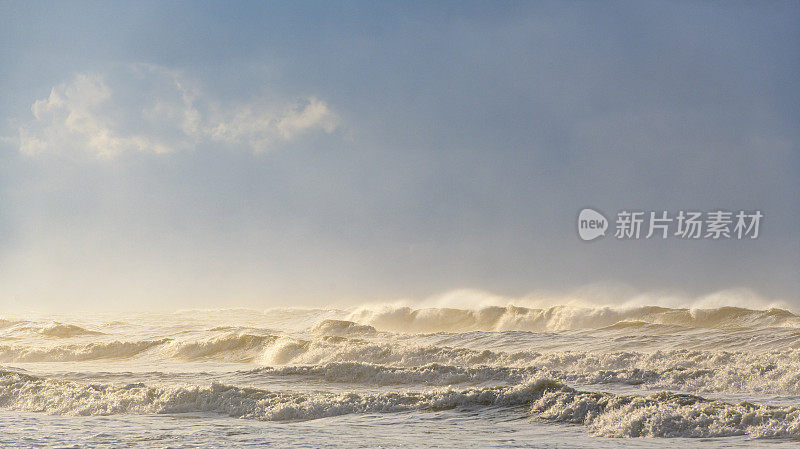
<point>402,376</point>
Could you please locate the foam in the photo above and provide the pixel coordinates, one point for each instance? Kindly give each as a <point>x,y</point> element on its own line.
<point>665,415</point>
<point>661,414</point>
<point>372,374</point>
<point>342,328</point>
<point>30,393</point>
<point>560,318</point>
<point>774,372</point>
<point>77,352</point>
<point>232,347</point>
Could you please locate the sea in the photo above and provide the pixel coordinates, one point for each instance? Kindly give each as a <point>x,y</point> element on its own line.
<point>403,376</point>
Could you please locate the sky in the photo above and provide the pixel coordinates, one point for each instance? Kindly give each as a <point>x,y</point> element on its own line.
<point>237,154</point>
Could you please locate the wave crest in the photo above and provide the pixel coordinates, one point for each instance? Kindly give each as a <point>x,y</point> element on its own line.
<point>663,414</point>
<point>342,328</point>
<point>561,318</point>
<point>75,353</point>
<point>232,347</point>
<point>374,374</point>
<point>66,331</point>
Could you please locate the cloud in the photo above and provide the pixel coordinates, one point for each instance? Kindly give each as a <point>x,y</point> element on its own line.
<point>259,127</point>
<point>152,109</point>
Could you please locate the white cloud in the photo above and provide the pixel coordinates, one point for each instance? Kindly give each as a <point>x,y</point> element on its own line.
<point>259,127</point>
<point>145,108</point>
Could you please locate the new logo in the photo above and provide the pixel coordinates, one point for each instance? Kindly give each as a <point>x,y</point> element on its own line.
<point>591,224</point>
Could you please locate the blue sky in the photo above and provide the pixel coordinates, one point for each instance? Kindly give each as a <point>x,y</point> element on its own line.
<point>256,154</point>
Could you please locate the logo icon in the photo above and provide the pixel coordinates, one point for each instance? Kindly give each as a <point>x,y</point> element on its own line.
<point>591,224</point>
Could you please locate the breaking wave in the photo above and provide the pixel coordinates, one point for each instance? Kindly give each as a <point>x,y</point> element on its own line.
<point>701,372</point>
<point>661,366</point>
<point>21,391</point>
<point>232,347</point>
<point>342,328</point>
<point>560,318</point>
<point>373,374</point>
<point>21,328</point>
<point>665,415</point>
<point>757,378</point>
<point>76,353</point>
<point>390,362</point>
<point>661,414</point>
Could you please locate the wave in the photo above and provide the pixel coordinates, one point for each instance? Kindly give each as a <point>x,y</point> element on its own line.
<point>232,347</point>
<point>626,325</point>
<point>561,318</point>
<point>66,331</point>
<point>373,374</point>
<point>357,360</point>
<point>30,393</point>
<point>665,415</point>
<point>661,414</point>
<point>76,353</point>
<point>776,372</point>
<point>409,320</point>
<point>699,372</point>
<point>342,328</point>
<point>330,357</point>
<point>8,323</point>
<point>47,329</point>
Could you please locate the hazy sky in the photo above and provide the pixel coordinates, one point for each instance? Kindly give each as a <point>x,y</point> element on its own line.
<point>217,154</point>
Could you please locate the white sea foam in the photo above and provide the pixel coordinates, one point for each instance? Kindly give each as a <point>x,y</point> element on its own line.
<point>665,415</point>
<point>560,318</point>
<point>233,346</point>
<point>741,378</point>
<point>77,352</point>
<point>371,374</point>
<point>657,415</point>
<point>698,371</point>
<point>342,328</point>
<point>30,393</point>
